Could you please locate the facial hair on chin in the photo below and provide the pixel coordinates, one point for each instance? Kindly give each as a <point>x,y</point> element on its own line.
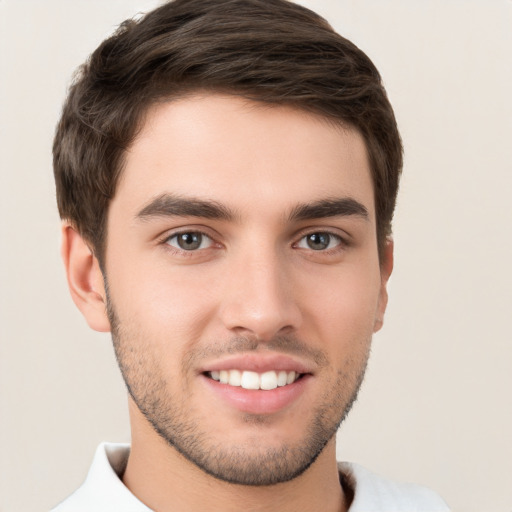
<point>246,464</point>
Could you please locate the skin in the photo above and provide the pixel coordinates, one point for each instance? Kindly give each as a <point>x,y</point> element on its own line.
<point>255,288</point>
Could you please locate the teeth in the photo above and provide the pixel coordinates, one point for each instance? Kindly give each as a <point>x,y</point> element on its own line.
<point>252,380</point>
<point>291,377</point>
<point>235,378</point>
<point>268,380</point>
<point>282,378</point>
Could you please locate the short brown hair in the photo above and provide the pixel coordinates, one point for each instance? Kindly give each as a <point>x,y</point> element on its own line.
<point>273,51</point>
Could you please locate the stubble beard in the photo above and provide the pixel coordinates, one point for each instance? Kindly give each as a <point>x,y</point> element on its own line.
<point>244,464</point>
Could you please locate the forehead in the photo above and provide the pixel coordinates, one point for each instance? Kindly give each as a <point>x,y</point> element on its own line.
<point>243,153</point>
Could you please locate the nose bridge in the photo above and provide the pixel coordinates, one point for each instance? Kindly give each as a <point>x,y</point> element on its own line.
<point>259,298</point>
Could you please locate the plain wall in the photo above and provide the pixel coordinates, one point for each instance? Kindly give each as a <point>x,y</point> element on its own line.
<point>436,404</point>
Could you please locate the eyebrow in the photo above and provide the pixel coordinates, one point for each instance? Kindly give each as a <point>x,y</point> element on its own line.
<point>170,205</point>
<point>335,207</point>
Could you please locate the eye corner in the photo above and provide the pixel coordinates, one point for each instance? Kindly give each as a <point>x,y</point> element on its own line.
<point>320,241</point>
<point>188,241</point>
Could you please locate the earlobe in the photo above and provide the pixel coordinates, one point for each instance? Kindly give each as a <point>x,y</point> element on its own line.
<point>386,267</point>
<point>85,279</point>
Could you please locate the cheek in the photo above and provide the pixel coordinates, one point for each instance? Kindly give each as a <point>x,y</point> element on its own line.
<point>165,304</point>
<point>344,309</point>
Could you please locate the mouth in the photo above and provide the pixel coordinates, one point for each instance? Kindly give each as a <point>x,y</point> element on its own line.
<point>251,380</point>
<point>260,383</point>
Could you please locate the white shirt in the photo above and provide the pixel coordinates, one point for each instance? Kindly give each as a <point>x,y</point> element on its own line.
<point>103,490</point>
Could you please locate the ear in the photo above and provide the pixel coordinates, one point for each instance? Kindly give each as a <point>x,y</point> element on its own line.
<point>85,279</point>
<point>386,267</point>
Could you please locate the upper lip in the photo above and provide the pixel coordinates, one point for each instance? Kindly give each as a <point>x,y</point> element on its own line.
<point>259,363</point>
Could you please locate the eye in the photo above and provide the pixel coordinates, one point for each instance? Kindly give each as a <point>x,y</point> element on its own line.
<point>189,241</point>
<point>320,241</point>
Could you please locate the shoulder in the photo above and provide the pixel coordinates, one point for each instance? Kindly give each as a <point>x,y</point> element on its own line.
<point>373,493</point>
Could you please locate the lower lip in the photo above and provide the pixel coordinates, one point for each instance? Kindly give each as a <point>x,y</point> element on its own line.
<point>257,401</point>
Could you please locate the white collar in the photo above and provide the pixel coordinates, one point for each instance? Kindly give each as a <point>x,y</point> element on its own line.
<point>103,490</point>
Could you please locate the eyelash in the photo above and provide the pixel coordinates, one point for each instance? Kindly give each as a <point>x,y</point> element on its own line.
<point>183,252</point>
<point>341,244</point>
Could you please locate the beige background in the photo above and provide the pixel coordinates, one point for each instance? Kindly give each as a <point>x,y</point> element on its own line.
<point>436,405</point>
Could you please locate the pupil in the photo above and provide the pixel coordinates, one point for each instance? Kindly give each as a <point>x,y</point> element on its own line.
<point>189,241</point>
<point>318,241</point>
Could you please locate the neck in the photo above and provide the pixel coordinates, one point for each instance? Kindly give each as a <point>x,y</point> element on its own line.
<point>164,480</point>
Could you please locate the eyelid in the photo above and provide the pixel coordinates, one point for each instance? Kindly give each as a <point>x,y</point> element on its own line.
<point>338,240</point>
<point>341,235</point>
<point>188,228</point>
<point>174,232</point>
<point>205,239</point>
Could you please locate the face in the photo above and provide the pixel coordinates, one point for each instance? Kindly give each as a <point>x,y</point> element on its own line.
<point>244,282</point>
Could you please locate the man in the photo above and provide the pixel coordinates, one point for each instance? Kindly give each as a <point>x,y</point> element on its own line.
<point>226,172</point>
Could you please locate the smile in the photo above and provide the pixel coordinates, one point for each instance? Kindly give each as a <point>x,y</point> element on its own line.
<point>253,380</point>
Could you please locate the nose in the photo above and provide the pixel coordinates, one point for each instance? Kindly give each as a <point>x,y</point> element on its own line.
<point>259,298</point>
